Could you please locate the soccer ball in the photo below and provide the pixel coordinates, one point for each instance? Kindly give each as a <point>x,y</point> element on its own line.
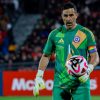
<point>76,65</point>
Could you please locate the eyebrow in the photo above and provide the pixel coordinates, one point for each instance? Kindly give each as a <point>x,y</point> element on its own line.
<point>68,15</point>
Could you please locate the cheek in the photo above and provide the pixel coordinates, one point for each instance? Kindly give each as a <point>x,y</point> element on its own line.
<point>64,19</point>
<point>74,18</point>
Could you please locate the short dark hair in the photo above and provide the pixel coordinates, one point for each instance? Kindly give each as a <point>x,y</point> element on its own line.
<point>69,5</point>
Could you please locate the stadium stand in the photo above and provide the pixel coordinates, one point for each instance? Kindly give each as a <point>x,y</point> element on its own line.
<point>27,53</point>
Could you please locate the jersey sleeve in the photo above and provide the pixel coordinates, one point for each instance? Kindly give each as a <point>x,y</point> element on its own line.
<point>90,39</point>
<point>48,49</point>
<point>91,42</point>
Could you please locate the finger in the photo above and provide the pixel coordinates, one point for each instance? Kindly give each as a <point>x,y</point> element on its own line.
<point>36,90</point>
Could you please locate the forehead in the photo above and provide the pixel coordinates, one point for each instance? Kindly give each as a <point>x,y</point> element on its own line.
<point>68,11</point>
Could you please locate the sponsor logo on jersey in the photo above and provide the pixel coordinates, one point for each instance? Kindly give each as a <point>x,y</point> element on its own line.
<point>77,39</point>
<point>60,35</point>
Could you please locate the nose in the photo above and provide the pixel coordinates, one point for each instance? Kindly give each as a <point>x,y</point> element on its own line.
<point>68,18</point>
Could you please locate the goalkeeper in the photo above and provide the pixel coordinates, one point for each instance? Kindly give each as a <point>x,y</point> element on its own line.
<point>68,40</point>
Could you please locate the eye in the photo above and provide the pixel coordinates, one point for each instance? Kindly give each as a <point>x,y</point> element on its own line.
<point>65,15</point>
<point>71,15</point>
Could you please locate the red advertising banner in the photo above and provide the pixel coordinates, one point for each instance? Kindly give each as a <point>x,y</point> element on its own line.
<point>21,82</point>
<point>95,82</point>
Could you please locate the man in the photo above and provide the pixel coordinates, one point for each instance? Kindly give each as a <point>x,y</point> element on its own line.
<point>66,41</point>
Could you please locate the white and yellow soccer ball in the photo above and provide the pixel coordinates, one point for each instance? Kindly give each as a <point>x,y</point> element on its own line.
<point>76,65</point>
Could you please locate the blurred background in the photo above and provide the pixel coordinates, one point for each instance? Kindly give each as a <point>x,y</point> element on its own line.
<point>26,24</point>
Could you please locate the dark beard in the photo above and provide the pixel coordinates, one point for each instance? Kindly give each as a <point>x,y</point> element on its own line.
<point>69,23</point>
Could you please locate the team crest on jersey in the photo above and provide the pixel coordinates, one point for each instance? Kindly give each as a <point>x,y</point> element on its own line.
<point>76,39</point>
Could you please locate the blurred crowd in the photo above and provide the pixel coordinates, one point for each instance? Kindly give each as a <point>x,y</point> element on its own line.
<point>30,52</point>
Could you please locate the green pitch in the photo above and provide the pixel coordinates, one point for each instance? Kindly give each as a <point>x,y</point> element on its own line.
<point>25,98</point>
<point>38,98</point>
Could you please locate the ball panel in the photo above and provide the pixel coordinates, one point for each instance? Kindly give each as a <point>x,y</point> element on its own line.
<point>76,65</point>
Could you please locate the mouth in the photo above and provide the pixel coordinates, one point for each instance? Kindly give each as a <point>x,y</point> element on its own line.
<point>69,23</point>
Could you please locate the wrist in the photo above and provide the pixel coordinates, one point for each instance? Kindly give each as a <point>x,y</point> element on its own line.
<point>90,68</point>
<point>40,73</point>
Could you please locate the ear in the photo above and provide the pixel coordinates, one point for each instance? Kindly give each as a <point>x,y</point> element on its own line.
<point>77,14</point>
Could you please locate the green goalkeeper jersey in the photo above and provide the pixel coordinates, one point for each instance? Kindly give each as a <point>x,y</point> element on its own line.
<point>66,43</point>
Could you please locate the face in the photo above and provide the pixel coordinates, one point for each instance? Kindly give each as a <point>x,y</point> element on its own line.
<point>69,17</point>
